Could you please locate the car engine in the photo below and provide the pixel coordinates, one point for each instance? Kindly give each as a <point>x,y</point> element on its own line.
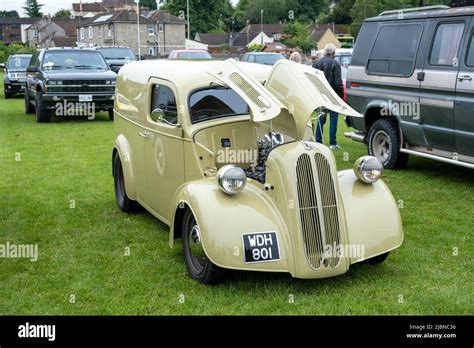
<point>264,147</point>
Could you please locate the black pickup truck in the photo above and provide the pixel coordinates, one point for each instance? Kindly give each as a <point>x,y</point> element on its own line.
<point>68,82</point>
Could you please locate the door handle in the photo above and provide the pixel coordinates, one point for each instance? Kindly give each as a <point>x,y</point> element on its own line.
<point>144,134</point>
<point>465,77</point>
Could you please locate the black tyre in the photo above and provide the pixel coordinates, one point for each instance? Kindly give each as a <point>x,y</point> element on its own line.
<point>124,203</point>
<point>111,114</point>
<point>42,115</point>
<point>199,266</point>
<point>378,259</point>
<point>29,108</point>
<point>384,143</point>
<point>8,95</point>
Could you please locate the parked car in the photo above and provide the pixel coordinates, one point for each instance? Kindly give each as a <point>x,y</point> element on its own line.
<point>68,75</point>
<point>344,56</point>
<point>266,58</point>
<point>189,54</point>
<point>216,155</point>
<point>14,79</point>
<point>411,76</point>
<point>117,56</point>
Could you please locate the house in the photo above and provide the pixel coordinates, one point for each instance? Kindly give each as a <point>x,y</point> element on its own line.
<point>52,32</point>
<point>14,29</point>
<point>322,37</point>
<point>160,32</point>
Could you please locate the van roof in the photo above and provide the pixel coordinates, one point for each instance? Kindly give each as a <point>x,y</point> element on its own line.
<point>423,12</point>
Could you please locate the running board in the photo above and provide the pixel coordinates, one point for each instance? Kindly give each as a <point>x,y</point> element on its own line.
<point>438,158</point>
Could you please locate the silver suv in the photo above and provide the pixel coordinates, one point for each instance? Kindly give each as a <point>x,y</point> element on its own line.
<point>411,75</point>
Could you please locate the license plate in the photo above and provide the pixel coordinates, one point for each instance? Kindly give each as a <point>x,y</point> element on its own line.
<point>85,97</point>
<point>261,247</point>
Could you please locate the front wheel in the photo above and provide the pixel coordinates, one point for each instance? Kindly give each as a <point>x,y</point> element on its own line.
<point>29,108</point>
<point>42,114</point>
<point>124,203</point>
<point>384,143</point>
<point>199,266</point>
<point>111,114</point>
<point>8,95</point>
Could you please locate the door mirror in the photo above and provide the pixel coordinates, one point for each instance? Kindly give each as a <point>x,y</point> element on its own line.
<point>32,69</point>
<point>158,115</point>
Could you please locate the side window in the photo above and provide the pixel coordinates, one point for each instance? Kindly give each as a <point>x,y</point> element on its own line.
<point>446,44</point>
<point>251,58</point>
<point>470,52</point>
<point>394,50</point>
<point>164,99</point>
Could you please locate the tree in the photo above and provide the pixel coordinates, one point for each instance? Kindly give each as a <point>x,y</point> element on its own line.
<point>151,4</point>
<point>341,14</point>
<point>361,10</point>
<point>9,14</point>
<point>274,11</point>
<point>296,34</point>
<point>204,15</point>
<point>308,10</point>
<point>33,8</point>
<point>62,13</point>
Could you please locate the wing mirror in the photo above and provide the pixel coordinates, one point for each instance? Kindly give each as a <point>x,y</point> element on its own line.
<point>32,69</point>
<point>158,115</point>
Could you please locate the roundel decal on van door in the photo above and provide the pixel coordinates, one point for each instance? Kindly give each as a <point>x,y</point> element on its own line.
<point>159,156</point>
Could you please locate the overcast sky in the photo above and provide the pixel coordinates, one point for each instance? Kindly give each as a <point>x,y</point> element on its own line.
<point>49,6</point>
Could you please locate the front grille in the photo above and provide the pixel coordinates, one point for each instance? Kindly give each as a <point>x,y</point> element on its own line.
<point>82,86</point>
<point>317,209</point>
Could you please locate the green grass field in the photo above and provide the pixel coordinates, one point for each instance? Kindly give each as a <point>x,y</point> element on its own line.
<point>82,249</point>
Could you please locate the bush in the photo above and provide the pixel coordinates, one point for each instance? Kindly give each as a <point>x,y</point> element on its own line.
<point>13,48</point>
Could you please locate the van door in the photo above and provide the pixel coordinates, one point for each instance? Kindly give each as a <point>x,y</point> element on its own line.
<point>163,150</point>
<point>464,108</point>
<point>438,86</point>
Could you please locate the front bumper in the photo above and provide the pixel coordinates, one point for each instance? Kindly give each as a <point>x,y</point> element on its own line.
<point>15,87</point>
<point>100,101</point>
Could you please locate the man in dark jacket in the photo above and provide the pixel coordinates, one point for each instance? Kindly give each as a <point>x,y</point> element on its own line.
<point>332,71</point>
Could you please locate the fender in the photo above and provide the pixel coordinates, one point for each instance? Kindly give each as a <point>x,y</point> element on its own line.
<point>380,229</point>
<point>223,218</point>
<point>122,146</point>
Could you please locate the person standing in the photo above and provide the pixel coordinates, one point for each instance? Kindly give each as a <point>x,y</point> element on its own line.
<point>332,71</point>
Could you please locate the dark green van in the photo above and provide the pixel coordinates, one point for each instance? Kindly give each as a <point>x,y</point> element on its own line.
<point>412,76</point>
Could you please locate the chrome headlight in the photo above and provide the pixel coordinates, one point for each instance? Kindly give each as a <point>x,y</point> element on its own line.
<point>368,169</point>
<point>13,76</point>
<point>231,179</point>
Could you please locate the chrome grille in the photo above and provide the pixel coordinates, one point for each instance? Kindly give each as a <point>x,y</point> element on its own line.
<point>317,209</point>
<point>83,86</point>
<point>328,204</point>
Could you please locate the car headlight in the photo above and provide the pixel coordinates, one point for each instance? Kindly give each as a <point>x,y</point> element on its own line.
<point>13,76</point>
<point>368,169</point>
<point>231,179</point>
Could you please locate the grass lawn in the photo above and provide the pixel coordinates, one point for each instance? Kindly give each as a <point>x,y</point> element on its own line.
<point>82,249</point>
